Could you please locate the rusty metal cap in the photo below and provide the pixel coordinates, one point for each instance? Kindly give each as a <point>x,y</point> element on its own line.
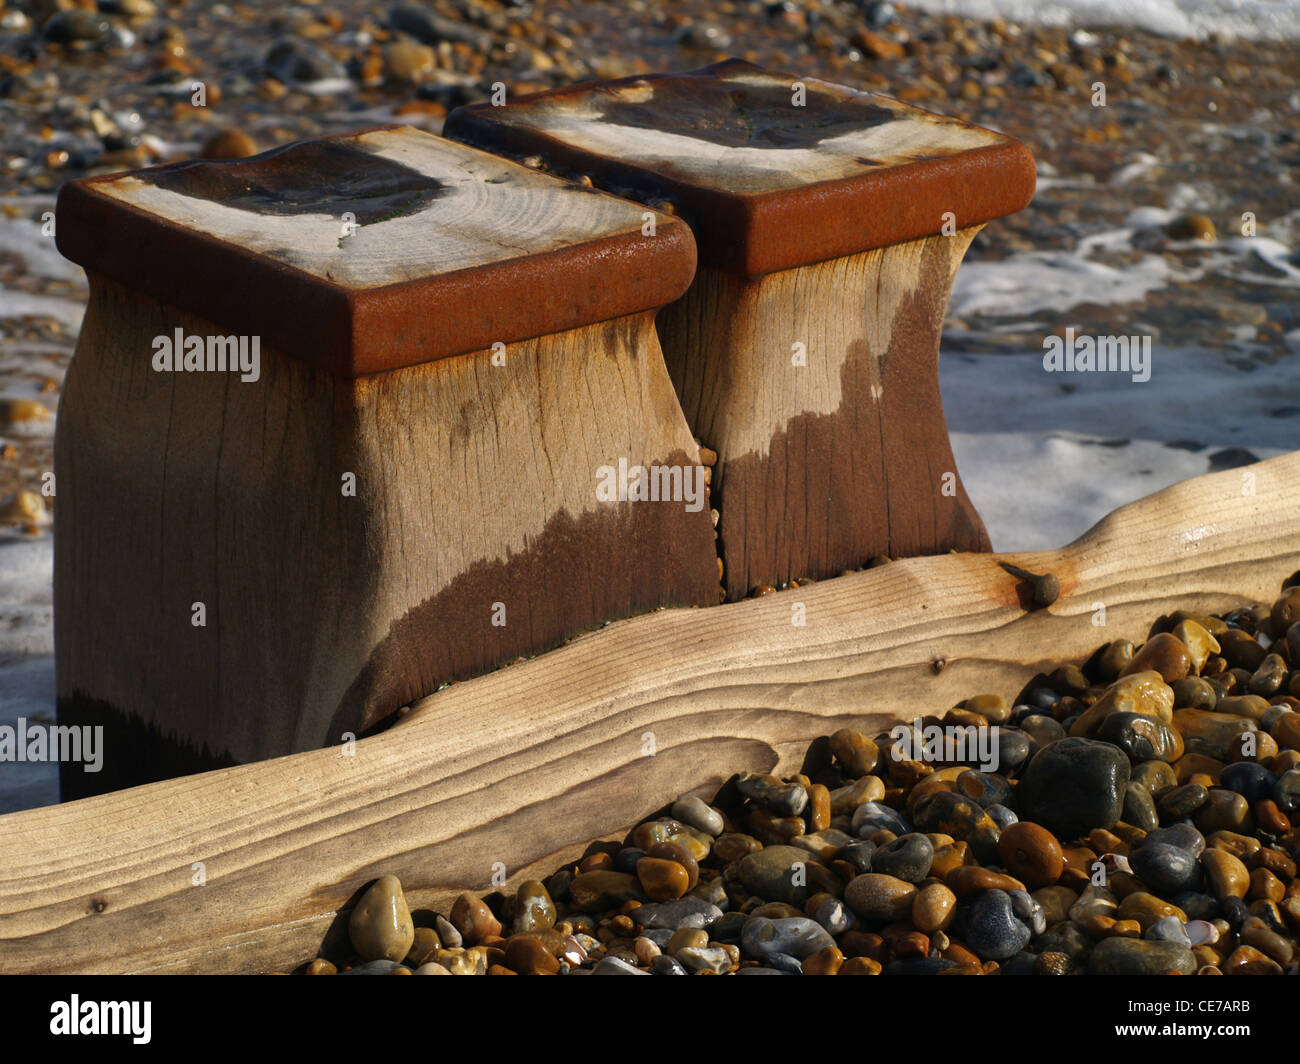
<point>772,171</point>
<point>379,249</point>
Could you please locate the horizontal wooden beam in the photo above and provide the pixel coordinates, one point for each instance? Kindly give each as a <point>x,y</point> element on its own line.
<point>525,765</point>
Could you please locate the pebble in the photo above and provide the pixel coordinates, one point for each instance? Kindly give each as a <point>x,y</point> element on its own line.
<point>1224,810</point>
<point>664,965</point>
<point>1073,786</point>
<point>602,889</point>
<point>827,961</point>
<point>1226,875</point>
<point>1166,869</point>
<point>294,61</point>
<point>534,909</point>
<point>1140,807</point>
<point>874,896</point>
<point>1182,801</point>
<point>969,880</point>
<point>1147,909</point>
<point>907,857</point>
<point>662,880</point>
<point>778,873</point>
<point>1031,853</point>
<point>933,908</point>
<point>67,27</point>
<point>871,817</point>
<point>1200,645</point>
<point>1135,956</point>
<point>1256,933</point>
<point>777,796</point>
<point>229,143</point>
<point>527,954</point>
<point>1286,792</point>
<point>1141,737</point>
<point>986,788</point>
<point>473,919</point>
<point>833,915</point>
<point>616,966</point>
<point>857,755</point>
<point>1168,929</point>
<point>1094,901</point>
<point>845,800</point>
<point>1191,227</point>
<point>380,926</point>
<point>375,967</point>
<point>1214,735</point>
<point>1250,779</point>
<point>992,930</point>
<point>1165,654</point>
<point>1141,692</point>
<point>797,937</point>
<point>685,912</point>
<point>732,846</point>
<point>715,959</point>
<point>962,818</point>
<point>699,814</point>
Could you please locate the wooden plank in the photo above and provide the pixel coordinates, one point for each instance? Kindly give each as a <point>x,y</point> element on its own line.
<point>528,762</point>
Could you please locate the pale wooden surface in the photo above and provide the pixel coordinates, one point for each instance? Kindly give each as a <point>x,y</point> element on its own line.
<point>452,207</point>
<point>830,461</point>
<point>738,128</point>
<point>540,757</point>
<point>475,484</point>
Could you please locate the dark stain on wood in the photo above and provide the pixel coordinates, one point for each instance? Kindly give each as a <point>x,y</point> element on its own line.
<point>574,576</point>
<point>744,115</point>
<point>313,177</point>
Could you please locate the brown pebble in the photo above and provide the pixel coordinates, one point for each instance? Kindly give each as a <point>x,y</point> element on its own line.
<point>1031,853</point>
<point>1227,876</point>
<point>320,966</point>
<point>933,908</point>
<point>818,810</point>
<point>229,144</point>
<point>1163,653</point>
<point>856,754</point>
<point>971,879</point>
<point>826,961</point>
<point>473,919</point>
<point>675,851</point>
<point>661,879</point>
<point>526,954</point>
<point>860,966</point>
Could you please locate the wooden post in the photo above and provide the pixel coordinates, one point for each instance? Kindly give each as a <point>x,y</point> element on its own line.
<point>830,224</point>
<point>398,485</point>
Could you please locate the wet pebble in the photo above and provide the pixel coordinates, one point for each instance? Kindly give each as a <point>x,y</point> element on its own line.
<point>1135,956</point>
<point>874,896</point>
<point>907,857</point>
<point>380,926</point>
<point>698,814</point>
<point>1073,786</point>
<point>992,929</point>
<point>797,937</point>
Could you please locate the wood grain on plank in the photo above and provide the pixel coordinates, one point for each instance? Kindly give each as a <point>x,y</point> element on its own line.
<point>525,764</point>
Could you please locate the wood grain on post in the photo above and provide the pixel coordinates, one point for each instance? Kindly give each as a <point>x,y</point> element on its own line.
<point>556,754</point>
<point>403,491</point>
<point>830,223</point>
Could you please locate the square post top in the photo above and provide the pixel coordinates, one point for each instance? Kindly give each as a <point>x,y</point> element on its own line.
<point>377,249</point>
<point>772,171</point>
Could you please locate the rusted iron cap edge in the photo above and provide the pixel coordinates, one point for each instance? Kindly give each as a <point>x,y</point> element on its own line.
<point>357,332</point>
